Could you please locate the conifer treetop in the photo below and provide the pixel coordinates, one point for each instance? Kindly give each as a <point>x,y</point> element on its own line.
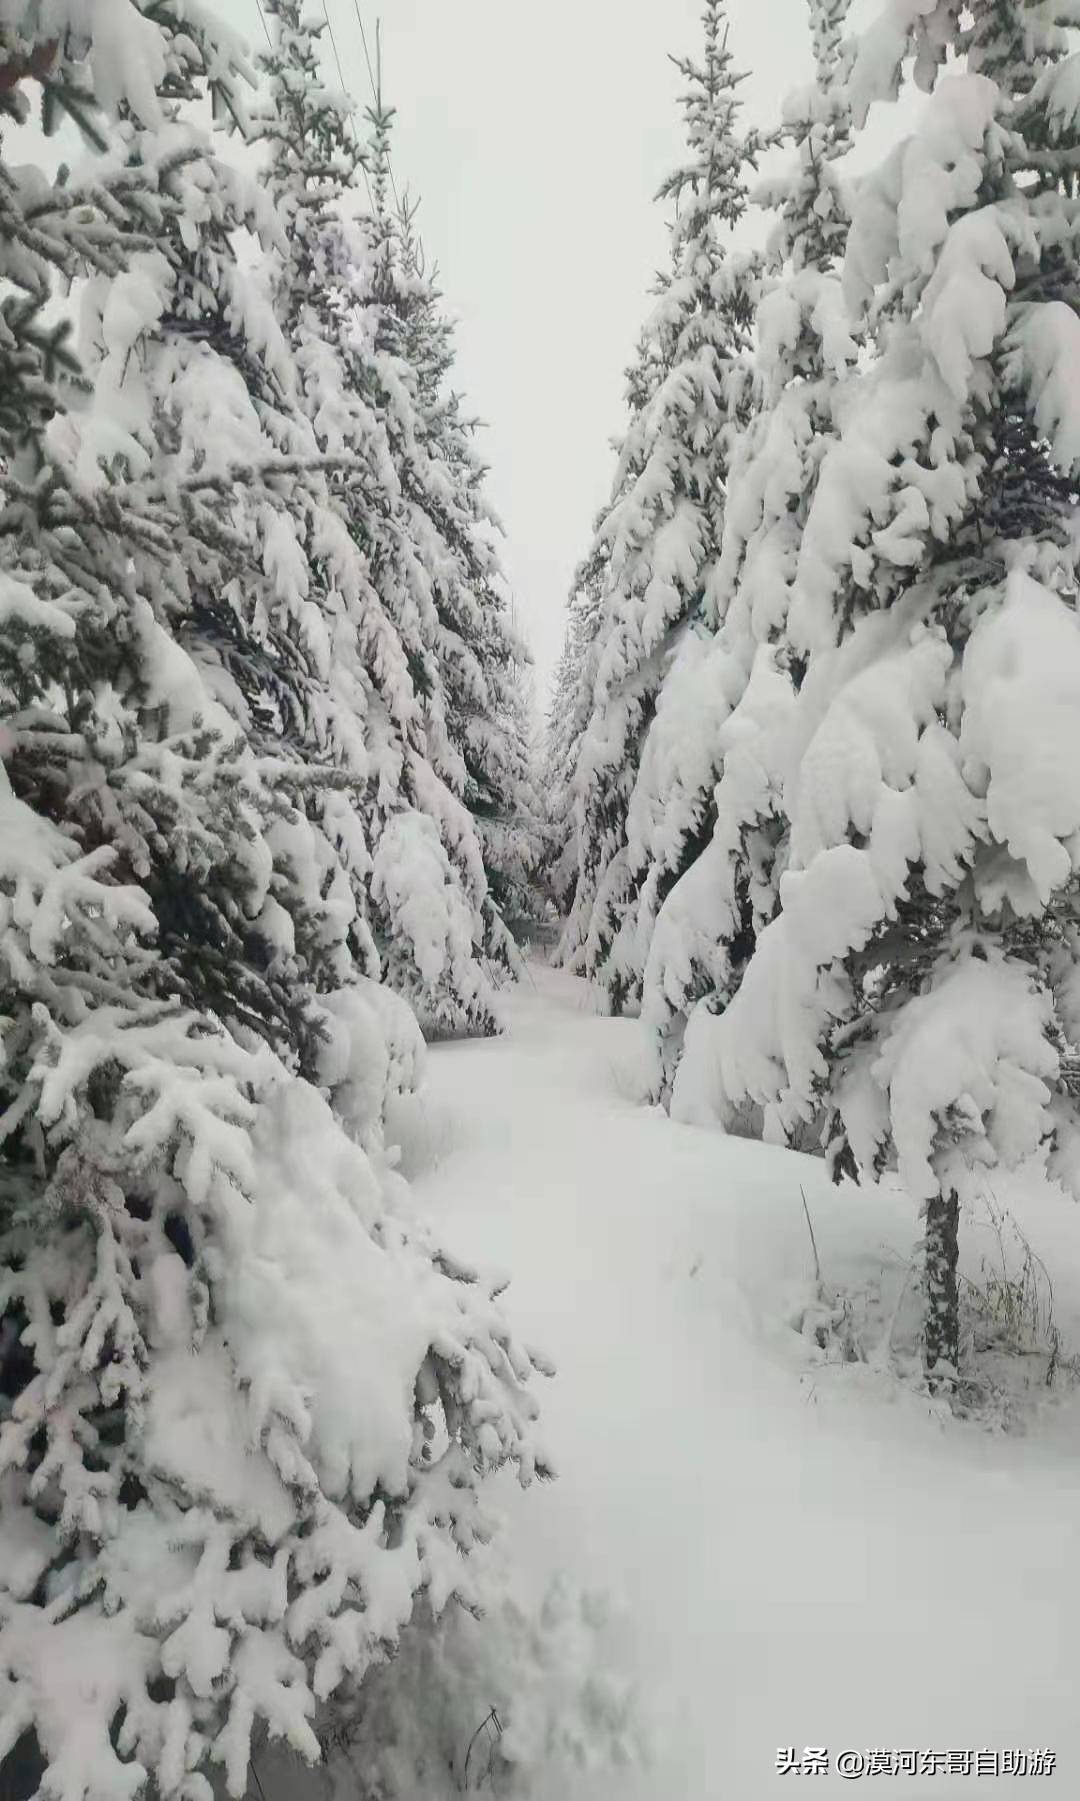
<point>812,212</point>
<point>710,187</point>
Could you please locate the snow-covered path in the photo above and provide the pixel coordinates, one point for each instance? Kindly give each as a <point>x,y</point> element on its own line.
<point>806,1559</point>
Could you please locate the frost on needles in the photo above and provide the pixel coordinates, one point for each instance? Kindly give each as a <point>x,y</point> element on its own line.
<point>245,1400</point>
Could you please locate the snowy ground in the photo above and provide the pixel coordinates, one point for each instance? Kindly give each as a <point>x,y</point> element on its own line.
<point>806,1557</point>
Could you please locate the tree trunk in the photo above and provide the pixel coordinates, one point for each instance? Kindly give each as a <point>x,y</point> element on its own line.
<point>942,1295</point>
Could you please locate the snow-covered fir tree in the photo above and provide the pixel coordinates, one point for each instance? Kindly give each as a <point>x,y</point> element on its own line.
<point>663,527</point>
<point>348,291</point>
<point>712,753</point>
<point>482,659</point>
<point>916,994</point>
<point>575,857</point>
<point>449,558</point>
<point>568,716</point>
<point>171,336</point>
<point>244,1400</point>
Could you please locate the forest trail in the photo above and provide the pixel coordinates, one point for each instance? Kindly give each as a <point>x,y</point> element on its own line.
<point>770,1528</point>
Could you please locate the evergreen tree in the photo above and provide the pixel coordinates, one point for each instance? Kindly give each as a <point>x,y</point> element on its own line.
<point>715,774</point>
<point>568,717</point>
<point>915,994</point>
<point>169,336</point>
<point>363,715</point>
<point>577,854</point>
<point>483,758</point>
<point>482,660</point>
<point>663,528</point>
<point>346,292</point>
<point>512,834</point>
<point>244,1400</point>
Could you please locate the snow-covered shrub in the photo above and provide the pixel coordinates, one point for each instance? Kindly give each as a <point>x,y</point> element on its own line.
<point>372,1055</point>
<point>428,948</point>
<point>529,1695</point>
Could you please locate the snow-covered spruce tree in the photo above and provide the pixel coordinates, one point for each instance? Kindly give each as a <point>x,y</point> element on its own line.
<point>576,855</point>
<point>370,720</point>
<point>132,465</point>
<point>917,992</point>
<point>243,1400</point>
<point>568,716</point>
<point>512,828</point>
<point>482,659</point>
<point>712,766</point>
<point>664,525</point>
<point>416,849</point>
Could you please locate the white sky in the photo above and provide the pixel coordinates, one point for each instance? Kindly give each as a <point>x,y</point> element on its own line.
<point>535,137</point>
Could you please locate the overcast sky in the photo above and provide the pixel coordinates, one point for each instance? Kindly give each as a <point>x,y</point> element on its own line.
<point>535,137</point>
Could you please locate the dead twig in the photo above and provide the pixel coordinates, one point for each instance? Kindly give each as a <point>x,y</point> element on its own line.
<point>813,1240</point>
<point>491,1719</point>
